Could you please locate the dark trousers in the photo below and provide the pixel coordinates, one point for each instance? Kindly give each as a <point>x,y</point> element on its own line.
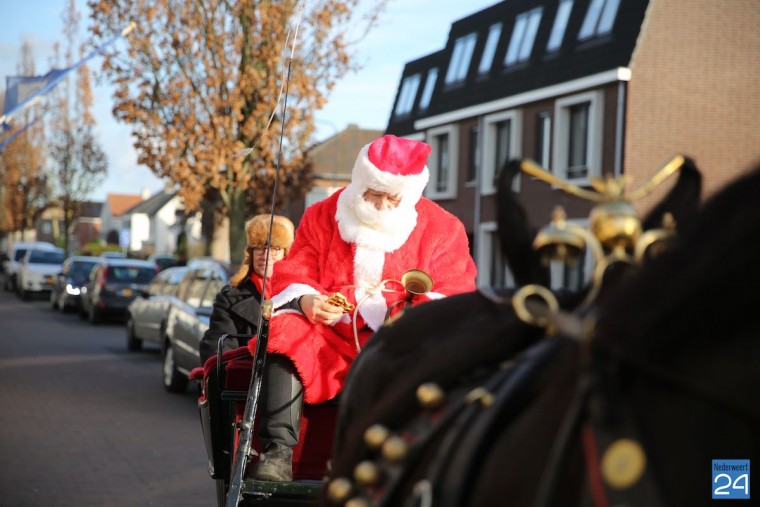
<point>281,403</point>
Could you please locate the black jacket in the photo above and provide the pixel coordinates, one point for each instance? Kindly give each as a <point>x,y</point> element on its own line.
<point>236,311</point>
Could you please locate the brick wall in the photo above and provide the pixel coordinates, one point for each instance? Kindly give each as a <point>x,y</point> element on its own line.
<point>695,89</point>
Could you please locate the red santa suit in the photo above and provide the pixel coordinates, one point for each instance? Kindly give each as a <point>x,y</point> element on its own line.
<point>334,251</point>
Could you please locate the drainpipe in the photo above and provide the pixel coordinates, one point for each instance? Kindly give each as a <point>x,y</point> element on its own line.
<point>478,172</point>
<point>620,127</point>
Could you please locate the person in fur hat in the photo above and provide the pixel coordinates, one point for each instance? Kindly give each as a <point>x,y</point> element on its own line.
<point>357,242</point>
<point>236,307</point>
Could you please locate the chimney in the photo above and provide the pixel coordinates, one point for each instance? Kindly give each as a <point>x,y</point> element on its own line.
<point>145,194</point>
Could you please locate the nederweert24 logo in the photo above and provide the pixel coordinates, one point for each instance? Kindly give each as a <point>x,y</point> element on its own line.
<point>730,479</point>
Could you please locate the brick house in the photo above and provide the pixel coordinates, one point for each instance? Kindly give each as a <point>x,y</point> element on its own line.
<point>585,88</point>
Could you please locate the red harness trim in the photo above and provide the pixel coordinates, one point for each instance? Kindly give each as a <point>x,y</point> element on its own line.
<point>590,452</point>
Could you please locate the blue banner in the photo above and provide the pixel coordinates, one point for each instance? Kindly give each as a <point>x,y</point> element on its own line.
<point>25,91</point>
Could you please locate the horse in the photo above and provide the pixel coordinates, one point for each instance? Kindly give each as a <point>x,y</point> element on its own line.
<point>617,396</point>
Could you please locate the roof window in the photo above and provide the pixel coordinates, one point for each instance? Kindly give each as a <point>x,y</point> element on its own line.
<point>523,36</point>
<point>460,58</point>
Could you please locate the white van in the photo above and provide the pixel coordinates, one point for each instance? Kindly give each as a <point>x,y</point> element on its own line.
<point>15,253</point>
<point>37,270</point>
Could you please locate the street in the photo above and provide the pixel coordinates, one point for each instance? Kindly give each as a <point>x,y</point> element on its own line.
<point>83,422</point>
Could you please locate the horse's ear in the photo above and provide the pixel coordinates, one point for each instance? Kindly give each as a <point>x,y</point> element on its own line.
<point>515,236</point>
<point>682,201</point>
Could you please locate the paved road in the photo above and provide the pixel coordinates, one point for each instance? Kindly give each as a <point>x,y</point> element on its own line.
<point>85,423</point>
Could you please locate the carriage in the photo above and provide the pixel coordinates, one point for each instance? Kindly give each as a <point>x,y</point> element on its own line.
<point>621,393</point>
<point>227,381</point>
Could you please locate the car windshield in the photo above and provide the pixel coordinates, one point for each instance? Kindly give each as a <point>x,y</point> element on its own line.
<point>19,254</point>
<point>46,257</point>
<point>81,268</point>
<point>130,274</point>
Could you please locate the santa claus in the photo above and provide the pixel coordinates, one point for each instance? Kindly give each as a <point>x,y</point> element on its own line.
<point>358,242</point>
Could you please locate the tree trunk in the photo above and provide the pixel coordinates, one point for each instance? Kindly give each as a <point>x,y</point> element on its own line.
<point>237,207</point>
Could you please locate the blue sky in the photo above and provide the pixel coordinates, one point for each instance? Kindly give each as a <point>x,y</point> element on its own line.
<point>408,29</point>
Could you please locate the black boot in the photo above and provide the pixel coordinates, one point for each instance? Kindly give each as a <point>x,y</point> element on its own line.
<point>280,421</point>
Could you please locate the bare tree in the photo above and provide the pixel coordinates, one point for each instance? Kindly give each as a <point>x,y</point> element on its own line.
<point>201,81</point>
<point>77,163</point>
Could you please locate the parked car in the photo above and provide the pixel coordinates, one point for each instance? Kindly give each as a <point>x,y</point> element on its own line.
<point>146,315</point>
<point>189,317</point>
<point>37,270</point>
<point>166,261</point>
<point>67,287</point>
<point>14,256</point>
<point>112,285</point>
<point>113,254</point>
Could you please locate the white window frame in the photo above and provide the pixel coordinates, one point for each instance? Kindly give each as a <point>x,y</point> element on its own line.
<point>451,185</point>
<point>523,36</point>
<point>560,25</point>
<point>594,139</point>
<point>461,58</point>
<point>488,169</point>
<point>489,50</point>
<point>427,91</point>
<point>409,87</point>
<point>599,20</point>
<point>487,234</point>
<point>544,121</point>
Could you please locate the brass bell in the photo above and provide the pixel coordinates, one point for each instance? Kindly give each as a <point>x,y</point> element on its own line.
<point>375,436</point>
<point>395,449</point>
<point>430,395</point>
<point>339,490</point>
<point>557,242</point>
<point>615,224</point>
<point>416,282</point>
<point>357,501</point>
<point>367,473</point>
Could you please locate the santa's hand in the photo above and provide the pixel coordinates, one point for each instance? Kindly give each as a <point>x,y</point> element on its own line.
<point>316,308</point>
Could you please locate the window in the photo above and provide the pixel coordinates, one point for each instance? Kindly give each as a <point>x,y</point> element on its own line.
<point>578,137</point>
<point>408,93</point>
<point>502,143</point>
<point>473,160</point>
<point>460,58</point>
<point>492,267</point>
<point>543,139</point>
<point>214,286</point>
<point>443,162</point>
<point>523,36</point>
<point>427,92</point>
<point>490,48</point>
<point>560,25</point>
<point>196,289</point>
<point>599,18</point>
<point>572,276</point>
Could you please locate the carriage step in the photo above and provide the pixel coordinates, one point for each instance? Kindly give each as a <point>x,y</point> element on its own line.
<point>304,492</point>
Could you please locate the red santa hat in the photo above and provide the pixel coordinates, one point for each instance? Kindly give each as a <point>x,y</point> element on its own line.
<point>395,165</point>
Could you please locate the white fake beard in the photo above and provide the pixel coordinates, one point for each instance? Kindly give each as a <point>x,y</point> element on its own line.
<point>385,221</point>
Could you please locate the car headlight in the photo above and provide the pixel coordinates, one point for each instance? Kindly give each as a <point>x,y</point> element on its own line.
<point>70,289</point>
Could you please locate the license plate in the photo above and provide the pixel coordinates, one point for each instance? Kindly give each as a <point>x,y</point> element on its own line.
<point>126,292</point>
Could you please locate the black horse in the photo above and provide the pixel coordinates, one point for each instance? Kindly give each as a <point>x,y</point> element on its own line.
<point>626,401</point>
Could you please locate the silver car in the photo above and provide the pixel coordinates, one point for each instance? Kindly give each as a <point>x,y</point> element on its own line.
<point>189,318</point>
<point>146,315</point>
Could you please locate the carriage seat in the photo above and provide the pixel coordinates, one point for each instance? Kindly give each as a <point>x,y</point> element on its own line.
<point>224,406</point>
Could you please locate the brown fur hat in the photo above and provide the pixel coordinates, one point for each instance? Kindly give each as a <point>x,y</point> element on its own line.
<point>257,230</point>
